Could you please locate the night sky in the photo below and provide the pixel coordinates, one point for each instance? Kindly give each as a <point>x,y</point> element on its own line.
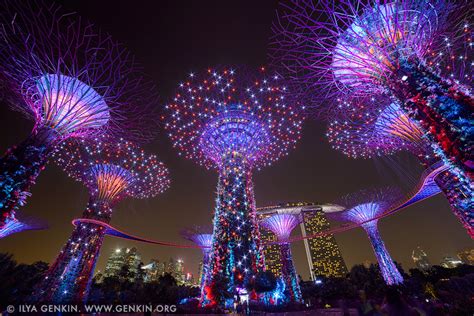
<point>171,39</point>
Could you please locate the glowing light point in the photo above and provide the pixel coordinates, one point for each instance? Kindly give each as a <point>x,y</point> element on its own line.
<point>282,225</point>
<point>234,122</point>
<point>414,51</point>
<point>72,82</point>
<point>112,171</point>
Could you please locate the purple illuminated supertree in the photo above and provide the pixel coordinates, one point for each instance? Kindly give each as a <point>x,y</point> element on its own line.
<point>335,50</point>
<point>364,208</point>
<point>20,224</point>
<point>233,122</point>
<point>72,82</point>
<point>201,236</point>
<point>380,127</point>
<point>111,171</point>
<point>282,225</point>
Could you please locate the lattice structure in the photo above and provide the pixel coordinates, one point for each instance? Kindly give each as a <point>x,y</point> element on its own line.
<point>282,225</point>
<point>363,208</point>
<point>15,225</point>
<point>72,81</point>
<point>236,122</point>
<point>111,171</point>
<point>201,236</point>
<point>335,51</point>
<point>370,129</point>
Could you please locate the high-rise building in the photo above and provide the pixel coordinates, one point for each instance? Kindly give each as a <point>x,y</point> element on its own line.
<point>201,267</point>
<point>189,279</point>
<point>467,256</point>
<point>175,267</point>
<point>123,260</point>
<point>154,270</point>
<point>450,262</point>
<point>420,258</point>
<point>323,254</point>
<point>179,271</point>
<point>271,252</point>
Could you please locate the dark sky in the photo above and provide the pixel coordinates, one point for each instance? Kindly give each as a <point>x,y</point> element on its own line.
<point>172,38</point>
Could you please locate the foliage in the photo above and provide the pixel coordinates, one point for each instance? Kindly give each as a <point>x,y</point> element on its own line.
<point>17,280</point>
<point>438,290</point>
<point>264,281</point>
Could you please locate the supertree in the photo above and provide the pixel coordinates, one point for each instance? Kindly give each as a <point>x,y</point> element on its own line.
<point>354,48</point>
<point>234,122</point>
<point>380,127</point>
<point>364,208</point>
<point>201,236</point>
<point>282,225</point>
<point>111,170</point>
<point>20,224</point>
<point>72,82</point>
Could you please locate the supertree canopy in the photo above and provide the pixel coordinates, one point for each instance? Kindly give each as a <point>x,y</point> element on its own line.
<point>111,171</point>
<point>351,48</point>
<point>19,224</point>
<point>362,130</point>
<point>372,129</point>
<point>282,225</point>
<point>364,208</point>
<point>72,82</point>
<point>201,236</point>
<point>233,121</point>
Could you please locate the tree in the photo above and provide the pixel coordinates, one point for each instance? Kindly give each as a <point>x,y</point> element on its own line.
<point>218,290</point>
<point>124,273</point>
<point>264,281</point>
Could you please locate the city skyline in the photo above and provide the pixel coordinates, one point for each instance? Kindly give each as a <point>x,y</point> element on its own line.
<point>313,172</point>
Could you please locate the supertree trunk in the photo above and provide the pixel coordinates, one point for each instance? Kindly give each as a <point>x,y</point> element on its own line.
<point>69,278</point>
<point>458,191</point>
<point>459,194</point>
<point>19,168</point>
<point>289,274</point>
<point>388,269</point>
<point>441,108</point>
<point>235,253</point>
<point>205,267</point>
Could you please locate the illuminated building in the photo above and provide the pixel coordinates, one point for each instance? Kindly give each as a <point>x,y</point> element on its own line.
<point>450,262</point>
<point>271,252</point>
<point>420,258</point>
<point>201,272</point>
<point>325,256</point>
<point>467,256</point>
<point>189,279</point>
<point>154,270</point>
<point>124,259</point>
<point>179,271</point>
<point>175,267</point>
<point>323,253</point>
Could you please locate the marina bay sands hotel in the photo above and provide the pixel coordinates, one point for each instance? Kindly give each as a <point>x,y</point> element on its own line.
<point>323,254</point>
